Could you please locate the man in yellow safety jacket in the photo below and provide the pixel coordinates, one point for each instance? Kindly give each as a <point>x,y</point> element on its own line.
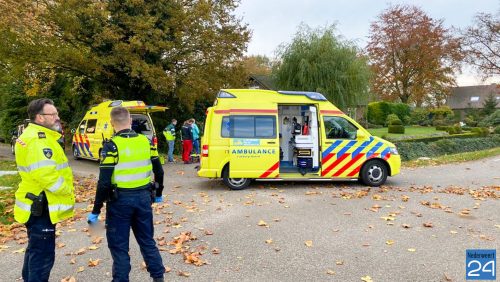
<point>45,195</point>
<point>127,162</point>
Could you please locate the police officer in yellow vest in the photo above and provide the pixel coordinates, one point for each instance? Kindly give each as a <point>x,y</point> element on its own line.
<point>127,162</point>
<point>45,195</point>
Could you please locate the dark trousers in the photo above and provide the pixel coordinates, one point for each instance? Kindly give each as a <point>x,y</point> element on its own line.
<point>40,253</point>
<point>133,210</point>
<point>187,147</point>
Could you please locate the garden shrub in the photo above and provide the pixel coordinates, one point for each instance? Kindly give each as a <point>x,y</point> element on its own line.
<point>414,150</point>
<point>420,116</point>
<point>491,120</point>
<point>396,128</point>
<point>391,118</point>
<point>441,112</point>
<point>378,111</point>
<point>454,129</point>
<point>470,121</point>
<point>481,131</point>
<point>497,129</point>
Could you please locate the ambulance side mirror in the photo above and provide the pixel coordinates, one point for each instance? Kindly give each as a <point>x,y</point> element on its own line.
<point>361,135</point>
<point>73,131</point>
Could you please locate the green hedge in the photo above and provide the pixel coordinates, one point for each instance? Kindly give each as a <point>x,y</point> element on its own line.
<point>481,131</point>
<point>396,128</point>
<point>436,138</point>
<point>414,150</point>
<point>378,111</point>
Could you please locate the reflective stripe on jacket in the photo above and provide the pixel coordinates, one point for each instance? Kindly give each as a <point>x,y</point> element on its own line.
<point>43,166</point>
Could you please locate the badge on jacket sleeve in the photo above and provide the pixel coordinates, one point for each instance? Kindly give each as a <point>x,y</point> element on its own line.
<point>47,152</point>
<point>41,135</point>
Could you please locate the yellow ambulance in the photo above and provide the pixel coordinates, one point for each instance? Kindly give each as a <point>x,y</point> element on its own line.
<point>288,135</point>
<point>96,126</point>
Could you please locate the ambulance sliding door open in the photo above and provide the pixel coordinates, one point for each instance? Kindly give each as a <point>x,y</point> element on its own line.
<point>254,146</point>
<point>299,139</point>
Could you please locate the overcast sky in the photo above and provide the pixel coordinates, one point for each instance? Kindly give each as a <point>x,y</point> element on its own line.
<point>275,21</point>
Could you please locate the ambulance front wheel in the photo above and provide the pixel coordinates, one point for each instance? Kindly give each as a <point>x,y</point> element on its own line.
<point>374,173</point>
<point>234,183</point>
<point>76,154</point>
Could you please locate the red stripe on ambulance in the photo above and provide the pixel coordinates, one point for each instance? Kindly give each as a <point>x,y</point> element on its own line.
<point>270,170</point>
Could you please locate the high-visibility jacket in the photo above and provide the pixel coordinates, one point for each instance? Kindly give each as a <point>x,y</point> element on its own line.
<point>169,132</point>
<point>43,167</point>
<point>134,167</point>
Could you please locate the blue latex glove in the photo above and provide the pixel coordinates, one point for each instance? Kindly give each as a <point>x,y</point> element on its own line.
<point>92,218</point>
<point>159,199</point>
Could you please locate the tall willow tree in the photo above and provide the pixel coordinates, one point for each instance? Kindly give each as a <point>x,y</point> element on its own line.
<point>318,60</point>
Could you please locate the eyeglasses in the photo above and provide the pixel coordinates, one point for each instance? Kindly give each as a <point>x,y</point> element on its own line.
<point>53,114</point>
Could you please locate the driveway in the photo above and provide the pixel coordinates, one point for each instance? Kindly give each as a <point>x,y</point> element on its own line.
<point>416,228</point>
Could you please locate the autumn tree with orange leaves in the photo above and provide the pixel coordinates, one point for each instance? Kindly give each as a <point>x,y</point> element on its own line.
<point>413,57</point>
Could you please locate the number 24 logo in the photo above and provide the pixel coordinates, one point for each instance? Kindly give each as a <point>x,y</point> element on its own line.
<point>481,268</point>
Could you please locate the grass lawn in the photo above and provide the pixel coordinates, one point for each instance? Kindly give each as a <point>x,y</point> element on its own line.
<point>8,165</point>
<point>417,131</point>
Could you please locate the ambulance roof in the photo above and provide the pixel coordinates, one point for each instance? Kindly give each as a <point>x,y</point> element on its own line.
<point>269,96</point>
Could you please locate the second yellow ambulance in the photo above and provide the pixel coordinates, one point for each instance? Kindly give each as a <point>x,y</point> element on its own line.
<point>96,126</point>
<point>287,135</point>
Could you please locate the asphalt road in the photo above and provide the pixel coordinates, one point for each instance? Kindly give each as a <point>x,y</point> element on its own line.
<point>352,231</point>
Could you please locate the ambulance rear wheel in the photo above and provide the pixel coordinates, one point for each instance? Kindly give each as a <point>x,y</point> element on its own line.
<point>76,154</point>
<point>374,173</point>
<point>234,183</point>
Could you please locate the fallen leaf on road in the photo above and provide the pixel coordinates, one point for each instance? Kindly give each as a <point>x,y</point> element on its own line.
<point>366,245</point>
<point>68,279</point>
<point>168,269</point>
<point>339,262</point>
<point>465,212</point>
<point>72,261</point>
<point>93,247</point>
<point>262,223</point>
<point>428,224</point>
<point>453,232</point>
<point>447,278</point>
<point>80,269</point>
<point>387,218</point>
<point>215,251</point>
<point>330,272</point>
<point>20,251</point>
<point>60,245</point>
<point>389,242</point>
<point>269,241</point>
<point>183,273</point>
<point>404,225</point>
<point>208,232</point>
<point>308,243</point>
<point>93,263</point>
<point>405,198</point>
<point>366,278</point>
<point>97,240</point>
<point>412,250</point>
<point>80,251</point>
